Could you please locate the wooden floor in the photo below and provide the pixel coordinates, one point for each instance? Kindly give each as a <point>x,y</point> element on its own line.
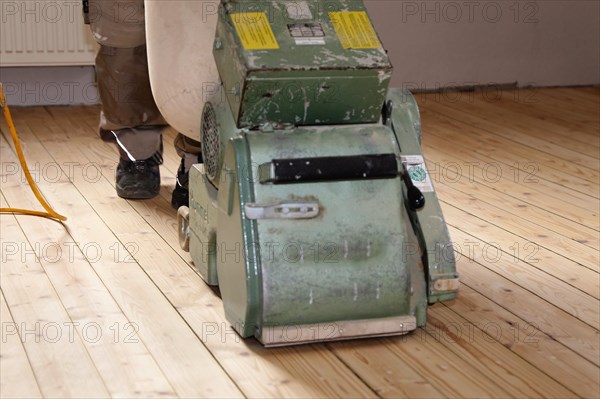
<point>108,305</point>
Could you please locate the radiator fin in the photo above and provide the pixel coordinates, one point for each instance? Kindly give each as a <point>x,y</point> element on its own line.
<point>44,32</point>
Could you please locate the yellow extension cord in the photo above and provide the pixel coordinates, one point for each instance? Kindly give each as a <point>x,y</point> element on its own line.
<point>51,213</point>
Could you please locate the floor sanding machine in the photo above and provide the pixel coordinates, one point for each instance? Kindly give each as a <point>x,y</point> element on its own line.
<point>313,210</point>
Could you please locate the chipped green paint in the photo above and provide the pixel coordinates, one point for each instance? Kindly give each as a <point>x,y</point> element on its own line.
<point>364,257</point>
<point>302,82</point>
<point>429,222</point>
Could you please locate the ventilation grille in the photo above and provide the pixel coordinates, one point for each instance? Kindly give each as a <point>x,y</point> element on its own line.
<point>210,141</point>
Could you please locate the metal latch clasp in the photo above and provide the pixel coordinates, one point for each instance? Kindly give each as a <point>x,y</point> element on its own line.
<point>284,210</point>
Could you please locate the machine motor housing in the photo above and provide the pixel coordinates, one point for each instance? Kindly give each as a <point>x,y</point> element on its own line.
<point>301,63</point>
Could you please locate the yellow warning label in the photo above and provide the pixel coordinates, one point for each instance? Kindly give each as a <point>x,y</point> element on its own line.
<point>354,29</point>
<point>254,30</point>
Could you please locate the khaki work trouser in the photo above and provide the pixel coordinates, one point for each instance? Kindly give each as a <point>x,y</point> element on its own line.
<point>128,113</point>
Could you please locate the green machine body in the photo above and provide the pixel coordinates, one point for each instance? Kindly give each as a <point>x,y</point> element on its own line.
<point>317,220</point>
<point>284,62</point>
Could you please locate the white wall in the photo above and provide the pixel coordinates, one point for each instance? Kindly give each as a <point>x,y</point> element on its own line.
<point>446,43</point>
<point>33,86</point>
<point>432,44</point>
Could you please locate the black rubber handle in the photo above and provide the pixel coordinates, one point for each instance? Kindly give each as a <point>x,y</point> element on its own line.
<point>354,167</point>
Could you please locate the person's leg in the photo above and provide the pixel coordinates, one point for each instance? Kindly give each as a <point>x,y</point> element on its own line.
<point>190,152</point>
<point>129,115</point>
<point>130,118</point>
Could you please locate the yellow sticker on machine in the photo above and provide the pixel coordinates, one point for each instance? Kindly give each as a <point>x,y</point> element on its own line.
<point>254,31</point>
<point>354,29</point>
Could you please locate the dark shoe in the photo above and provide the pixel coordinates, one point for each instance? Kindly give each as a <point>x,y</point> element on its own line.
<point>138,179</point>
<point>181,193</point>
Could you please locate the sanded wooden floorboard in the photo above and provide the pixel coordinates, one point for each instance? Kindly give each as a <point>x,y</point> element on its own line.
<point>443,369</point>
<point>14,364</point>
<point>515,385</point>
<point>478,161</point>
<point>525,339</point>
<point>496,243</point>
<point>534,279</point>
<point>553,321</point>
<point>484,115</point>
<point>101,158</point>
<point>189,367</point>
<point>591,94</point>
<point>157,212</point>
<point>522,228</point>
<point>529,169</point>
<point>549,222</point>
<point>81,124</point>
<point>523,192</point>
<point>389,375</point>
<point>583,119</point>
<point>168,230</point>
<point>121,358</point>
<point>567,107</point>
<point>163,229</point>
<point>57,354</point>
<point>154,254</point>
<point>485,319</point>
<point>415,343</point>
<point>567,115</point>
<point>573,126</point>
<point>547,346</point>
<point>528,147</point>
<point>147,212</point>
<point>476,347</point>
<point>459,161</point>
<point>83,128</point>
<point>533,115</point>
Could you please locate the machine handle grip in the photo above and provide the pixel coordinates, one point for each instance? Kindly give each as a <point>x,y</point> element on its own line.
<point>352,167</point>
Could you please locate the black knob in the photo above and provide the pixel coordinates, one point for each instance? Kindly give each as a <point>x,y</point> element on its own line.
<point>416,199</point>
<point>386,111</point>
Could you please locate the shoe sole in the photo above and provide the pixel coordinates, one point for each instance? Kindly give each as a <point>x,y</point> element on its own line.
<point>137,195</point>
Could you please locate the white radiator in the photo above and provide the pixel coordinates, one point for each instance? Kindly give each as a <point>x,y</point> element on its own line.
<point>44,32</point>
